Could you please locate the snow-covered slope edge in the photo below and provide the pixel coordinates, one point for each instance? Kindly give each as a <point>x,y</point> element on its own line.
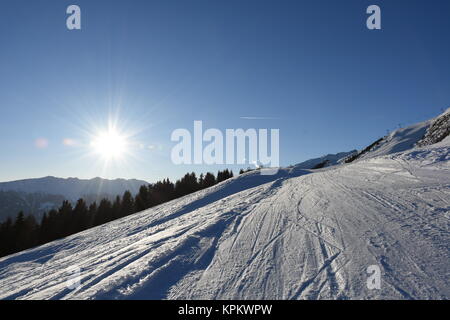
<point>397,141</point>
<point>419,134</point>
<point>325,161</point>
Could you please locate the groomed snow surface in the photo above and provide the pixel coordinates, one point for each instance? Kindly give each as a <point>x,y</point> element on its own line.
<point>300,234</point>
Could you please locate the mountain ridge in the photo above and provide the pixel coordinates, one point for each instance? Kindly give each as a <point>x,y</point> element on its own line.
<point>73,188</point>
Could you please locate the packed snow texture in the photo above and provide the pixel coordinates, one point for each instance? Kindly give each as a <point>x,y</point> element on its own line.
<point>299,234</point>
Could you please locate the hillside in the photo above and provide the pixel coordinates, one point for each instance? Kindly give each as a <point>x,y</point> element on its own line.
<point>36,204</point>
<point>419,134</point>
<point>300,234</point>
<point>325,161</point>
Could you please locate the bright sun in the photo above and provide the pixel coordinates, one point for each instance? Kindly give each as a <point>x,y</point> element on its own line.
<point>109,144</point>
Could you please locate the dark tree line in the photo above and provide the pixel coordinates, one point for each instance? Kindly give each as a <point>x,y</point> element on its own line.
<point>25,232</point>
<point>244,171</point>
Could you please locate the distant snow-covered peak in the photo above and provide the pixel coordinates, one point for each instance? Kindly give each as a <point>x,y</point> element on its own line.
<point>324,161</point>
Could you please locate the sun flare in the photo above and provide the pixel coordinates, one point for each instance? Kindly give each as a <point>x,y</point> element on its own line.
<point>110,144</point>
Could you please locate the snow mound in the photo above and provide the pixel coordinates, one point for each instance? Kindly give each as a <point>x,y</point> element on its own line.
<point>420,134</point>
<point>397,141</point>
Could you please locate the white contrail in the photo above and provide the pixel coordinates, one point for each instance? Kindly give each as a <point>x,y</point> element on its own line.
<point>259,118</point>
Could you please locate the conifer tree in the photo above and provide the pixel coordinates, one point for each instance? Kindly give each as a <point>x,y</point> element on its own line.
<point>103,212</point>
<point>92,212</point>
<point>116,207</point>
<point>127,206</point>
<point>142,200</point>
<point>24,232</point>
<point>209,180</point>
<point>80,217</point>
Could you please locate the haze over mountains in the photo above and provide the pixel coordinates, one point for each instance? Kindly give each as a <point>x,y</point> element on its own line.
<point>299,234</point>
<point>35,196</point>
<point>73,188</point>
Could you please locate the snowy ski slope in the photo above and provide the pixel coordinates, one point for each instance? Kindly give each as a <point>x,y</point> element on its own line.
<point>301,234</point>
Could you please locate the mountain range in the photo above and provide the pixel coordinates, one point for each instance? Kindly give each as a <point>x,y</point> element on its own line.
<point>35,196</point>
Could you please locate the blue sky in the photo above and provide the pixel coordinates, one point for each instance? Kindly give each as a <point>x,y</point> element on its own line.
<point>312,67</point>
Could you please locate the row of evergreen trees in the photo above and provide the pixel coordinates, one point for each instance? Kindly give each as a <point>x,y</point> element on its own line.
<point>25,232</point>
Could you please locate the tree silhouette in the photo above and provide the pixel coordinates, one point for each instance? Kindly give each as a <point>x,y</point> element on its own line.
<point>25,232</point>
<point>142,200</point>
<point>127,206</point>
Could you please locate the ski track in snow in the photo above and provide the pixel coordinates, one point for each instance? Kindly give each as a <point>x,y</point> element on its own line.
<point>296,235</point>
